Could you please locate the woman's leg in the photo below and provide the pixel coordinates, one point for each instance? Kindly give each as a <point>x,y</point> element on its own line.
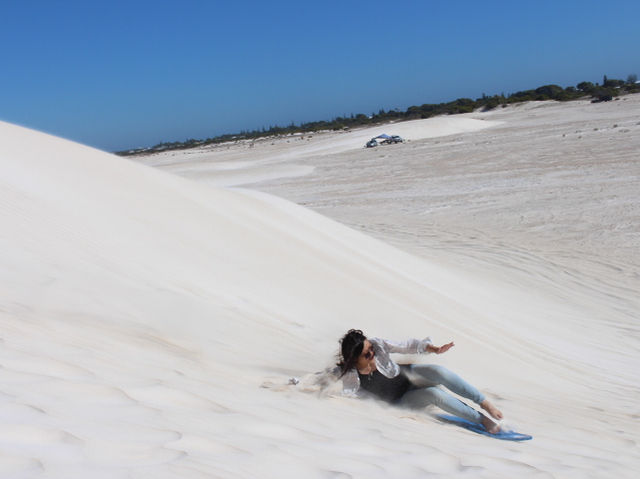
<point>431,375</point>
<point>425,375</point>
<point>420,398</point>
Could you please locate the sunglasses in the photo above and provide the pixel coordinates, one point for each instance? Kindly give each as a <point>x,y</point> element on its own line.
<point>368,354</point>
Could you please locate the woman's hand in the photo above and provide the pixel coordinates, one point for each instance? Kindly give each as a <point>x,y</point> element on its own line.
<point>440,349</point>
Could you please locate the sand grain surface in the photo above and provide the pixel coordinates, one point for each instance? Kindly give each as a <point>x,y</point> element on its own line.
<point>151,317</point>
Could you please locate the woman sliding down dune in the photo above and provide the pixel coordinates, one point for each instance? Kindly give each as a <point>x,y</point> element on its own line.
<point>365,364</point>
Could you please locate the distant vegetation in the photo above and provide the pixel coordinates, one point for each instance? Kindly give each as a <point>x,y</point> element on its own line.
<point>608,90</point>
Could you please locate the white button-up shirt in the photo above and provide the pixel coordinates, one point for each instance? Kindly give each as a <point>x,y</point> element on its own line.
<point>387,367</point>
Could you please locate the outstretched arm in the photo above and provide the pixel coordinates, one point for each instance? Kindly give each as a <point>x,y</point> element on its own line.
<point>439,349</point>
<point>415,346</point>
<point>410,346</point>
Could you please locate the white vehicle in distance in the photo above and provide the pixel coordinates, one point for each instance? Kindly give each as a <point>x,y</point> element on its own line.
<point>383,139</point>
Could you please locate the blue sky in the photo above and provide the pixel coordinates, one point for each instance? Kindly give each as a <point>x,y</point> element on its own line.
<point>123,74</point>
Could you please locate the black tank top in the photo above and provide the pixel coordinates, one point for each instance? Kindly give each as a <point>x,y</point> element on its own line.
<point>388,389</point>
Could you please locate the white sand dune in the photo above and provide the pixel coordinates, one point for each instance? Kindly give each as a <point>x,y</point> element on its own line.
<point>250,161</point>
<point>150,322</point>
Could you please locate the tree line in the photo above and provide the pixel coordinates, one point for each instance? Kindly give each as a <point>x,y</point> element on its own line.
<point>608,90</point>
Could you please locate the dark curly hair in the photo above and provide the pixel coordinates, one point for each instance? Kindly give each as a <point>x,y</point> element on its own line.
<point>351,346</point>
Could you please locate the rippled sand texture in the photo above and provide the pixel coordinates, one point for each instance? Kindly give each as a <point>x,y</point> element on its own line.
<point>150,320</point>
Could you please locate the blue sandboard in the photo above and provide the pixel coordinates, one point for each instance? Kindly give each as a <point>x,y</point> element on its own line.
<point>480,429</point>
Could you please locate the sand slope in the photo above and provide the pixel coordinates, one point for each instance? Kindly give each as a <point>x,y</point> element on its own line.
<point>249,161</point>
<point>150,323</point>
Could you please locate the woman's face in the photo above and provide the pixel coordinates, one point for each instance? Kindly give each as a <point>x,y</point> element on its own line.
<point>367,356</point>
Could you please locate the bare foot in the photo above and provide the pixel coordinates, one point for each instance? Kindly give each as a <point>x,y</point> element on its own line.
<point>490,426</point>
<point>491,409</point>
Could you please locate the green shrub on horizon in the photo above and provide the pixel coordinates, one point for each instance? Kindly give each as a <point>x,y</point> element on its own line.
<point>609,89</point>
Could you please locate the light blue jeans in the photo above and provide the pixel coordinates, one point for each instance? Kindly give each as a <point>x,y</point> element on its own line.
<point>427,377</point>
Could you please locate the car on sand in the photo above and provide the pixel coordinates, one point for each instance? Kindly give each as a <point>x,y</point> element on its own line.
<point>384,140</point>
